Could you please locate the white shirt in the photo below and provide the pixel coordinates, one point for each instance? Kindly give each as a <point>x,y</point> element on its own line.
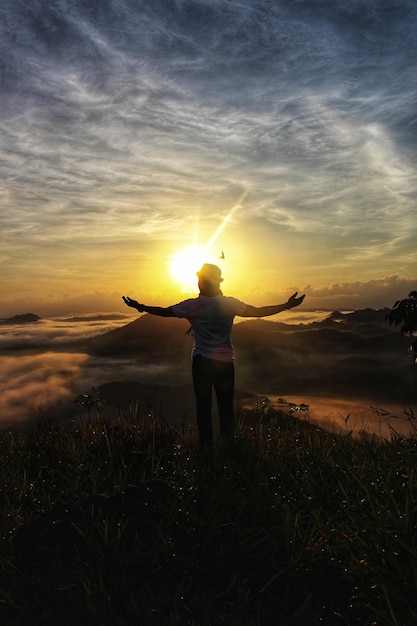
<point>212,320</point>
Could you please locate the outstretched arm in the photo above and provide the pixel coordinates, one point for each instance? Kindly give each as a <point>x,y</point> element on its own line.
<point>153,310</point>
<point>264,311</point>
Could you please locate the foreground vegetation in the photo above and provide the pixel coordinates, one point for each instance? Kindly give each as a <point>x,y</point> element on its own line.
<point>126,523</point>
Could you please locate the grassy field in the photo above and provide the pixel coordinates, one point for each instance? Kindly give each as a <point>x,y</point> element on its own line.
<point>127,523</point>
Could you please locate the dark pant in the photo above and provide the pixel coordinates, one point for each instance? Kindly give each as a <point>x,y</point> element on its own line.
<point>207,374</point>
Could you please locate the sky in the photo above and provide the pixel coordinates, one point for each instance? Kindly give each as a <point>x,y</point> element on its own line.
<point>280,132</point>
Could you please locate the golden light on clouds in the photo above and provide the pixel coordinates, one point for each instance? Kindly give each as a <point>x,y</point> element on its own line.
<point>149,142</point>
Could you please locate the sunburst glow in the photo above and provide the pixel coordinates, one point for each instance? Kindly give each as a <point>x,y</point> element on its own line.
<point>184,265</point>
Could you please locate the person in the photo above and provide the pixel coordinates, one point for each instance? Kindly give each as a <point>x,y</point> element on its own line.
<point>211,317</point>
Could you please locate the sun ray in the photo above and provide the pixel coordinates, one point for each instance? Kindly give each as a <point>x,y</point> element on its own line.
<point>188,260</point>
<point>226,220</point>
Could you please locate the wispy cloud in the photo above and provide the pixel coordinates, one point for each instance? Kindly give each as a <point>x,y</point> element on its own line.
<point>121,122</point>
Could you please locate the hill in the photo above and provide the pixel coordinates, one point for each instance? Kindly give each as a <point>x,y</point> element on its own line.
<point>362,316</point>
<point>172,402</point>
<point>26,318</point>
<point>358,356</point>
<point>149,337</point>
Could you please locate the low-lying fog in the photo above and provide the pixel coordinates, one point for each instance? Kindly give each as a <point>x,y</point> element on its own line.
<point>43,368</point>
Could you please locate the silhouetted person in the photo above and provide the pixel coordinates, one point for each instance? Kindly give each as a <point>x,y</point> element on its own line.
<point>211,317</point>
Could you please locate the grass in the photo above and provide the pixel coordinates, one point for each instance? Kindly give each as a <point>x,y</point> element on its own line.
<point>126,523</point>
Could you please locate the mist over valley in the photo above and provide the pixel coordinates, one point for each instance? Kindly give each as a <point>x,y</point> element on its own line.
<point>145,363</point>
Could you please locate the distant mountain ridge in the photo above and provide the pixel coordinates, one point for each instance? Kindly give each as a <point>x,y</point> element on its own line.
<point>360,355</point>
<point>25,318</point>
<point>362,316</point>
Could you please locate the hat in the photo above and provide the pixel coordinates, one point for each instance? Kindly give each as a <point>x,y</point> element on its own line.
<point>211,273</point>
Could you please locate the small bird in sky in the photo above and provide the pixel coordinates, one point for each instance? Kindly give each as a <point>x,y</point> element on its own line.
<point>222,255</point>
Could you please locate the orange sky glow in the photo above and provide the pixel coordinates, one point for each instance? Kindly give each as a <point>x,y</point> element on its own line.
<point>280,135</point>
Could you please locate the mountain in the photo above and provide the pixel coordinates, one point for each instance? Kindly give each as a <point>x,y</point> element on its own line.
<point>362,316</point>
<point>364,320</point>
<point>26,318</point>
<point>357,356</point>
<point>154,337</point>
<point>322,359</point>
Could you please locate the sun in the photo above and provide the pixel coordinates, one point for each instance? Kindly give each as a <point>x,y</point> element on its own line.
<point>184,265</point>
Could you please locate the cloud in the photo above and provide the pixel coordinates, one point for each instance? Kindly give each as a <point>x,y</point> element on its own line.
<point>34,382</point>
<point>381,293</point>
<point>47,333</point>
<point>47,383</point>
<point>123,121</point>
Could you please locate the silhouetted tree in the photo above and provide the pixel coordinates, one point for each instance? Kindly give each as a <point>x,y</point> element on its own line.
<point>404,313</point>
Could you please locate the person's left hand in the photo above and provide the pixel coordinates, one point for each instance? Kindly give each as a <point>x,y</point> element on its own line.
<point>294,301</point>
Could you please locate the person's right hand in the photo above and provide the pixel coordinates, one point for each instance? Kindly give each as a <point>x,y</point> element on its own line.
<point>133,303</point>
<point>294,301</point>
